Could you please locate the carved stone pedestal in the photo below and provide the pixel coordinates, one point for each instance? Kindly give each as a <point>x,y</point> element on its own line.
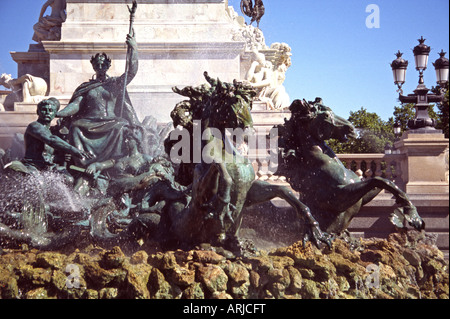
<point>423,168</point>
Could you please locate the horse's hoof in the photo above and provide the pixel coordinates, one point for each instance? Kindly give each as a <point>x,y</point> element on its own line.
<point>327,239</point>
<point>317,236</point>
<point>418,224</point>
<point>413,218</point>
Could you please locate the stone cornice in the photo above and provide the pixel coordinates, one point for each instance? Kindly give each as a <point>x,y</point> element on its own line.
<point>29,57</point>
<point>231,47</point>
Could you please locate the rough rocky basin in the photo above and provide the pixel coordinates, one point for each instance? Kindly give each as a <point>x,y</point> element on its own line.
<point>404,266</point>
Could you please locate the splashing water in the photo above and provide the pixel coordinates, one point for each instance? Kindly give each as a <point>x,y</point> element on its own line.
<point>34,219</point>
<point>29,202</point>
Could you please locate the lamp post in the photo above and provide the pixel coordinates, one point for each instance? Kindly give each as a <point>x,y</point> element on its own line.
<point>397,130</point>
<point>421,98</point>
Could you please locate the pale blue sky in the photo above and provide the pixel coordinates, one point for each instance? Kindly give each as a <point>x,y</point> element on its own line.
<point>335,55</point>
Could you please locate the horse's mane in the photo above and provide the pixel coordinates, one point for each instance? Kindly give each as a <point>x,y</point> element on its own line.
<point>290,134</point>
<point>218,100</point>
<point>212,101</point>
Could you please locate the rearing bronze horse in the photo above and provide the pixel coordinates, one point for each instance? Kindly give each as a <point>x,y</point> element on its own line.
<point>334,193</point>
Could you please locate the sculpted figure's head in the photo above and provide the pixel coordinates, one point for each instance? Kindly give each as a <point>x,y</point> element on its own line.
<point>47,109</point>
<point>101,63</point>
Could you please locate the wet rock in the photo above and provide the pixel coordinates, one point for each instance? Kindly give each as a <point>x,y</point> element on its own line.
<point>208,257</point>
<point>16,258</point>
<point>161,289</point>
<point>237,273</point>
<point>112,259</point>
<point>255,279</point>
<point>163,261</point>
<point>99,277</point>
<point>213,278</point>
<point>306,273</point>
<point>311,258</point>
<point>137,279</point>
<point>194,291</point>
<point>280,281</point>
<point>371,256</point>
<point>35,276</point>
<point>309,290</point>
<point>108,293</point>
<point>69,285</point>
<point>90,294</point>
<point>342,248</point>
<point>403,266</point>
<point>38,293</point>
<point>296,279</point>
<point>182,276</point>
<point>412,257</point>
<point>139,257</point>
<point>239,279</point>
<point>50,260</point>
<point>221,295</point>
<point>8,285</point>
<point>261,264</point>
<point>344,266</point>
<point>343,284</point>
<point>158,286</point>
<point>281,262</point>
<point>183,257</point>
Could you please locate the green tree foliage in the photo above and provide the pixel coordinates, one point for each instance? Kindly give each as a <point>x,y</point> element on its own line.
<point>403,114</point>
<point>372,134</point>
<point>443,111</point>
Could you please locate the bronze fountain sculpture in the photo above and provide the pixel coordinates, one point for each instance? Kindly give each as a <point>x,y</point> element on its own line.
<point>120,188</point>
<point>334,193</point>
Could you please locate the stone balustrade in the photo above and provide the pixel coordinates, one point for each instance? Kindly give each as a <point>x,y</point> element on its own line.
<point>371,165</point>
<point>364,165</point>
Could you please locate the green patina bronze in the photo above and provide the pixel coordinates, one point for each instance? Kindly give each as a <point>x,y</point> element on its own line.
<point>221,187</point>
<point>334,193</point>
<point>102,172</point>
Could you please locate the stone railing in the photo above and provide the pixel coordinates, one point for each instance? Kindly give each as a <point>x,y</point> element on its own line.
<point>371,165</point>
<point>364,165</point>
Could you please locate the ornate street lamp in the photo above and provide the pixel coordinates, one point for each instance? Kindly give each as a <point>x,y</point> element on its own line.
<point>421,98</point>
<point>421,54</point>
<point>441,66</point>
<point>399,67</point>
<point>397,130</point>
